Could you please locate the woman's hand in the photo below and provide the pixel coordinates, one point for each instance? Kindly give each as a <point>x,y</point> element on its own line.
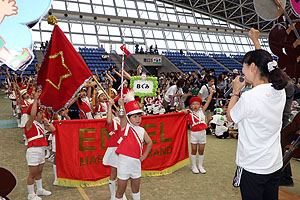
<point>237,85</point>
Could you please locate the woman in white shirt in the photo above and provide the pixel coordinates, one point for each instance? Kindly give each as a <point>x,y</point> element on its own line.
<point>258,113</point>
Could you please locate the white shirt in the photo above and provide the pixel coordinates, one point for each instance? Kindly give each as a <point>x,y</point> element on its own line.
<point>259,116</point>
<point>204,92</point>
<point>220,130</point>
<point>172,91</point>
<point>218,119</point>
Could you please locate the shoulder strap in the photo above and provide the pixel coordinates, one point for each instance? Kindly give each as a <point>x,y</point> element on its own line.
<point>207,88</point>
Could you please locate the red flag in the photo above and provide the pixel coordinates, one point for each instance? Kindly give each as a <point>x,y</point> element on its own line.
<point>123,48</point>
<point>63,72</point>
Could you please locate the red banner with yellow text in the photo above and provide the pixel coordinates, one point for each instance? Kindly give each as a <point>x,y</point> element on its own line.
<point>81,145</point>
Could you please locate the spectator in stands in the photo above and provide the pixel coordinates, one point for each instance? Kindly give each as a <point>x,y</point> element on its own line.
<point>156,50</point>
<point>173,95</point>
<point>42,46</point>
<point>142,50</point>
<point>236,72</point>
<point>221,84</point>
<point>184,101</point>
<point>137,48</point>
<point>195,91</point>
<point>204,93</point>
<point>151,49</point>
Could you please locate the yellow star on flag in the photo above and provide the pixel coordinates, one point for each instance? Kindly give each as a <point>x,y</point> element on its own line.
<point>64,65</point>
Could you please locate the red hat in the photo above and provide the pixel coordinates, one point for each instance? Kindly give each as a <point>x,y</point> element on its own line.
<point>195,99</point>
<point>132,107</point>
<point>28,111</point>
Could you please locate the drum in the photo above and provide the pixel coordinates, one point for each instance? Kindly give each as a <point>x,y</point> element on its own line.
<point>290,140</point>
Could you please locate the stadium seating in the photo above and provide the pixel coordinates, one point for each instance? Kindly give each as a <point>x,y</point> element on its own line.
<point>207,62</point>
<point>94,60</point>
<point>227,61</point>
<point>181,61</point>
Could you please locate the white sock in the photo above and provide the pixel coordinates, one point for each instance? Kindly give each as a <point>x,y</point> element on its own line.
<point>201,157</point>
<point>112,187</point>
<point>136,196</point>
<point>39,184</point>
<point>193,159</point>
<point>55,174</point>
<point>118,198</point>
<point>30,189</point>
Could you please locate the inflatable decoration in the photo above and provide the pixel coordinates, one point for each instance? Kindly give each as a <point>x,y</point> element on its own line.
<point>284,38</point>
<point>17,17</point>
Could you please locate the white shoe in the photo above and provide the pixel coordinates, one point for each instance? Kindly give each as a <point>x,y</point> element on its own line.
<point>202,170</point>
<point>33,197</point>
<point>195,170</point>
<point>124,197</point>
<point>51,158</point>
<point>55,183</point>
<point>43,192</point>
<point>48,154</point>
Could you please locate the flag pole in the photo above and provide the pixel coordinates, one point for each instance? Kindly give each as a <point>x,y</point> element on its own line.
<point>105,93</point>
<point>122,71</point>
<point>122,111</point>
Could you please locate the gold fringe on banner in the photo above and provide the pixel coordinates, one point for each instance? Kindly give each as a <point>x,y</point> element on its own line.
<point>167,171</point>
<point>79,183</point>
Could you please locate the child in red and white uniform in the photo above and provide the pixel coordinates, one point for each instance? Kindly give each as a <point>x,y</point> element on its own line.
<point>34,130</point>
<point>101,106</point>
<point>110,156</point>
<point>84,104</point>
<point>196,120</point>
<point>114,93</point>
<point>130,149</point>
<point>26,101</point>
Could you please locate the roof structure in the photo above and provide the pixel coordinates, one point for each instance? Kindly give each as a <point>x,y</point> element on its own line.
<point>238,12</point>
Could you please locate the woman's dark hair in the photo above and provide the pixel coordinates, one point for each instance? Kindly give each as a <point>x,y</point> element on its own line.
<point>220,78</point>
<point>261,58</point>
<point>180,83</point>
<point>79,100</point>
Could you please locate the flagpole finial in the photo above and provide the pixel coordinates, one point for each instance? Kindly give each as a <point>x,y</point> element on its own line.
<point>52,20</point>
